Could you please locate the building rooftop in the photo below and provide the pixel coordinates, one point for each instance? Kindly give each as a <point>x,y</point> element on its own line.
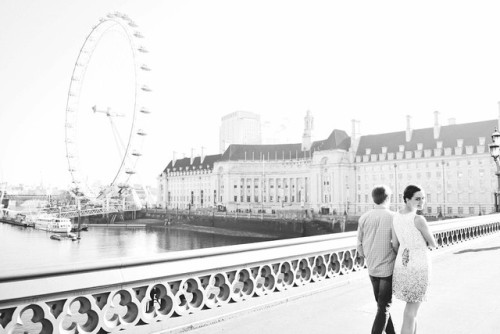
<point>338,140</point>
<point>475,135</point>
<point>207,163</point>
<point>448,135</point>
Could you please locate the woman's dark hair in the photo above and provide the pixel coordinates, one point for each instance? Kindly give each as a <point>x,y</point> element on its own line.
<point>410,191</point>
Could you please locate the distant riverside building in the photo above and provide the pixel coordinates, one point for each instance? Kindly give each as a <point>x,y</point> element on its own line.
<point>239,127</point>
<point>451,162</point>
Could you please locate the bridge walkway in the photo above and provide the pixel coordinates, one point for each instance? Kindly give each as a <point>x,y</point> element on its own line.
<point>465,298</point>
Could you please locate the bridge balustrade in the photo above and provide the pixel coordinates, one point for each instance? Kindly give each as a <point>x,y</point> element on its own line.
<point>170,291</point>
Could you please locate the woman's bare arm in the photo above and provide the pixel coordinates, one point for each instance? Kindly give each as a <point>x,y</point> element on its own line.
<point>421,225</point>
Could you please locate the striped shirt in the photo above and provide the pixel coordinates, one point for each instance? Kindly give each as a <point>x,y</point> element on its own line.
<point>374,241</point>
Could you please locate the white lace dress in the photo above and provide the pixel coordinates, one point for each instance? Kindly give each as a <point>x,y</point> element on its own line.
<point>412,269</point>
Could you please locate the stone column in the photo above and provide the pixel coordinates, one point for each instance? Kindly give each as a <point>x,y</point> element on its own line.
<point>254,181</point>
<point>296,189</point>
<point>306,190</point>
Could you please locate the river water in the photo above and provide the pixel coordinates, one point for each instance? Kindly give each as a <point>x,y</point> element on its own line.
<point>22,248</point>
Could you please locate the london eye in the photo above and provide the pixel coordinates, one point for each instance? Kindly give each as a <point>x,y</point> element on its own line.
<point>107,109</point>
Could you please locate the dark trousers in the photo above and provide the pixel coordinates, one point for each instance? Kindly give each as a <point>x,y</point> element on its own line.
<point>382,288</point>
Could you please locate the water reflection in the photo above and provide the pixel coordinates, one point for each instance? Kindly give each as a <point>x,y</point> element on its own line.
<point>29,248</point>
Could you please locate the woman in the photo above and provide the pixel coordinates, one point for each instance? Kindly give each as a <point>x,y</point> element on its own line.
<point>411,238</point>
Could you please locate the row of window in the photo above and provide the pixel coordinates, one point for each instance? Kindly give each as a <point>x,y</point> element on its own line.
<point>426,165</point>
<point>466,197</point>
<point>449,210</point>
<point>418,175</point>
<point>276,199</point>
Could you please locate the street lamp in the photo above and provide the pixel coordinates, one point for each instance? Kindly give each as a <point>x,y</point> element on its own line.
<point>396,194</point>
<point>495,154</point>
<point>444,188</point>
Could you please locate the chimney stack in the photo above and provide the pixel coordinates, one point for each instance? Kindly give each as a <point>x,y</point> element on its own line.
<point>202,154</point>
<point>173,158</point>
<point>437,127</point>
<point>192,156</point>
<point>408,128</point>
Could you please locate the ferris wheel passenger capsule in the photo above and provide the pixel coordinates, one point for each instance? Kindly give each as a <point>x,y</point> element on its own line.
<point>145,110</point>
<point>129,171</point>
<point>132,24</point>
<point>136,153</point>
<point>138,34</point>
<point>142,49</point>
<point>146,88</point>
<point>145,67</point>
<point>141,132</point>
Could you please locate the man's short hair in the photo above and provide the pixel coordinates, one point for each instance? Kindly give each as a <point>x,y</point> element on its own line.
<point>380,194</point>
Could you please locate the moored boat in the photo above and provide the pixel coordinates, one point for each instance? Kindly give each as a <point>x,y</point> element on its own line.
<point>14,218</point>
<point>55,237</point>
<point>72,236</point>
<point>53,224</point>
<point>83,227</point>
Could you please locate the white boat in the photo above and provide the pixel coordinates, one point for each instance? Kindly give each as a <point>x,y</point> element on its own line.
<point>53,224</point>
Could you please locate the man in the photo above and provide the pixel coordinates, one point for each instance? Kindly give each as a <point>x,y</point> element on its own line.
<point>374,244</point>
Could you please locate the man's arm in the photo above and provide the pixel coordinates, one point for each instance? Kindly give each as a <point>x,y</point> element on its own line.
<point>359,245</point>
<point>394,238</point>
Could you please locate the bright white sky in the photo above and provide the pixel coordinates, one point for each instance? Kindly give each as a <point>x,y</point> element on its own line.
<point>375,61</point>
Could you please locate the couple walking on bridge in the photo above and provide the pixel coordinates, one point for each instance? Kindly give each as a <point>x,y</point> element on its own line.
<point>395,246</point>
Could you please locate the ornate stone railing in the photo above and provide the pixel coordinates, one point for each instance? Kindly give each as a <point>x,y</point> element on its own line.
<point>170,291</point>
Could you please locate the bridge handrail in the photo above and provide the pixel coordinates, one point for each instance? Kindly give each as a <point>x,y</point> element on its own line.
<point>116,263</point>
<point>188,282</point>
<point>119,263</point>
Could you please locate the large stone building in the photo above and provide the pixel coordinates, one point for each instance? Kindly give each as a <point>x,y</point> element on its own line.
<point>451,162</point>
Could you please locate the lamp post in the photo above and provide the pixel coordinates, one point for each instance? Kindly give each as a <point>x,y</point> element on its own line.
<point>495,154</point>
<point>444,188</point>
<point>396,195</point>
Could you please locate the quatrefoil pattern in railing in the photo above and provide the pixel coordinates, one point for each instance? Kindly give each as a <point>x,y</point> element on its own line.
<point>123,309</point>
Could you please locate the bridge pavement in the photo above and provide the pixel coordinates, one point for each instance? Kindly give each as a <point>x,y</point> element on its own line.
<point>465,299</point>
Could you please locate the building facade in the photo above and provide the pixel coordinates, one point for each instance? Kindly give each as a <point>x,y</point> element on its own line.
<point>239,127</point>
<point>336,175</point>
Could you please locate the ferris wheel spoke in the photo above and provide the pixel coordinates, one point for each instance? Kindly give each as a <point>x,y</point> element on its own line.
<point>118,140</point>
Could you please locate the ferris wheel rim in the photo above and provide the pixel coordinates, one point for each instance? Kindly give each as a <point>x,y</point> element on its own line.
<point>72,154</point>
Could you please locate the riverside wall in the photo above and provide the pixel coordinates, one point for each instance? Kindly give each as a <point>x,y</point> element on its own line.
<point>284,225</point>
